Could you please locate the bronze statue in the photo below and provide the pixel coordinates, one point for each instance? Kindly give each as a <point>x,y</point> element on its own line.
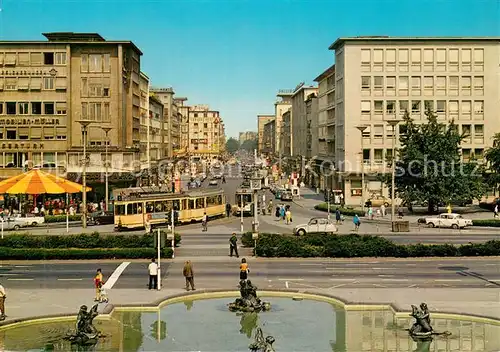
<point>86,333</point>
<point>248,302</point>
<point>421,328</point>
<point>260,344</point>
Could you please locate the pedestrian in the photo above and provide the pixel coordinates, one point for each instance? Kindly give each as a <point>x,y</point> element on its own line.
<point>228,209</point>
<point>3,296</point>
<point>270,207</point>
<point>370,213</point>
<point>188,273</point>
<point>282,212</point>
<point>277,213</point>
<point>153,275</point>
<point>338,216</point>
<point>98,280</point>
<point>103,293</point>
<point>204,222</point>
<point>233,245</point>
<point>244,269</point>
<point>495,211</point>
<point>382,210</point>
<point>288,216</point>
<point>356,222</point>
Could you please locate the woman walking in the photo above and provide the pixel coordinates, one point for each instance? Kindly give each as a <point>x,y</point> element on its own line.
<point>244,270</point>
<point>188,273</point>
<point>356,222</point>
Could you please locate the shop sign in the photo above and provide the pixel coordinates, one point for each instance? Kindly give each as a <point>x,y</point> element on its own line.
<point>29,121</point>
<point>21,145</point>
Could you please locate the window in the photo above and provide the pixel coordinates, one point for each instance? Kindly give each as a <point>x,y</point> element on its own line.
<point>1,108</point>
<point>378,59</point>
<point>24,59</point>
<point>205,125</point>
<point>479,154</point>
<point>11,108</point>
<point>429,105</point>
<point>60,58</point>
<point>24,132</point>
<point>415,86</point>
<point>11,134</point>
<point>466,154</point>
<point>466,132</point>
<point>105,113</point>
<point>84,66</point>
<point>391,86</point>
<point>388,131</point>
<point>61,108</point>
<point>48,58</point>
<point>390,60</point>
<point>478,107</point>
<point>378,156</point>
<point>365,60</point>
<point>36,59</point>
<point>441,60</point>
<point>478,60</point>
<point>453,108</point>
<point>466,60</point>
<point>466,110</point>
<point>84,111</point>
<point>403,60</point>
<point>23,83</point>
<point>479,85</point>
<point>453,57</point>
<point>10,83</point>
<point>36,83</point>
<point>390,107</point>
<point>479,133</point>
<point>466,85</point>
<point>61,133</point>
<point>23,108</point>
<point>378,131</point>
<point>95,63</point>
<point>48,108</point>
<point>366,156</point>
<point>10,59</point>
<point>403,107</point>
<point>378,107</point>
<point>415,106</point>
<point>48,83</point>
<point>429,85</point>
<point>366,107</point>
<point>95,90</point>
<point>403,85</point>
<point>428,60</point>
<point>85,87</point>
<point>453,86</point>
<point>36,108</point>
<point>106,62</point>
<point>378,85</point>
<point>416,60</point>
<point>365,83</point>
<point>403,129</point>
<point>441,106</point>
<point>440,85</point>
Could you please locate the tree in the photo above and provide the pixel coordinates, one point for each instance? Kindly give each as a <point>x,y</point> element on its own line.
<point>429,168</point>
<point>492,156</point>
<point>232,145</point>
<point>249,145</point>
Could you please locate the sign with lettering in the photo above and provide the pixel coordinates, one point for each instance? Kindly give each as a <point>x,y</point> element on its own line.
<point>29,121</point>
<point>21,145</point>
<point>27,71</point>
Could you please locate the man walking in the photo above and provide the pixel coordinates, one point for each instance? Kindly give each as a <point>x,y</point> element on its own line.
<point>233,246</point>
<point>3,296</point>
<point>204,222</point>
<point>153,275</point>
<point>188,273</point>
<point>228,209</point>
<point>98,281</point>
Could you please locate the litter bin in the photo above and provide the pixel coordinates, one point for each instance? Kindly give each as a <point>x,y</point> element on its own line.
<point>400,226</point>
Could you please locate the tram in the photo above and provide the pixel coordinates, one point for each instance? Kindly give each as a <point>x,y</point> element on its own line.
<point>135,210</point>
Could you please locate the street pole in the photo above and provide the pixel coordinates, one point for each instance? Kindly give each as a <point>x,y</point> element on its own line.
<point>84,124</point>
<point>67,213</point>
<point>158,277</point>
<point>393,124</point>
<point>106,131</point>
<point>328,204</point>
<point>255,211</point>
<point>362,129</point>
<point>241,214</point>
<point>173,233</point>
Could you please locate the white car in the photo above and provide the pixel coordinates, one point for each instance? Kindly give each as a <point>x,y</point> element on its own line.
<point>452,220</point>
<point>213,183</point>
<point>316,225</point>
<point>29,220</point>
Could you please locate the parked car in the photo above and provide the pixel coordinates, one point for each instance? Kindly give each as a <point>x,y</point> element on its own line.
<point>452,220</point>
<point>287,195</point>
<point>213,182</point>
<point>377,201</point>
<point>28,219</point>
<point>315,225</point>
<point>102,218</point>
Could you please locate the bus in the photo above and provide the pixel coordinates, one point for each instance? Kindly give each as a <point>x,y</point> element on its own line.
<point>136,210</point>
<point>244,200</point>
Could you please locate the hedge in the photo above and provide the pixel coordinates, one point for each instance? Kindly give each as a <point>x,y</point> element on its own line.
<point>349,246</point>
<point>486,223</point>
<point>93,240</point>
<point>80,253</point>
<point>343,211</point>
<point>61,218</point>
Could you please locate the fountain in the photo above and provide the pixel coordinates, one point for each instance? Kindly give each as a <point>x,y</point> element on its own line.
<point>421,328</point>
<point>86,333</point>
<point>248,302</point>
<point>262,344</point>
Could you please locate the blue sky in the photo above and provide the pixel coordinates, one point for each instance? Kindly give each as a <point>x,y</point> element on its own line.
<point>235,54</point>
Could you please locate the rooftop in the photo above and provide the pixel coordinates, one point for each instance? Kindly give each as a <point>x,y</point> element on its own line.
<point>387,39</point>
<point>330,70</point>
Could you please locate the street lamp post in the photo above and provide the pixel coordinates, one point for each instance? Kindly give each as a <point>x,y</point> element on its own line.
<point>106,131</point>
<point>393,124</point>
<point>84,124</point>
<point>362,129</point>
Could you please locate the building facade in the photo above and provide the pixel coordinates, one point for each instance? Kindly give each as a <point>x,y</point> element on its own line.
<point>171,123</point>
<point>269,138</point>
<point>183,110</point>
<point>261,121</point>
<point>206,132</point>
<point>299,125</point>
<point>145,129</point>
<point>247,136</point>
<point>155,129</point>
<point>377,79</point>
<point>48,86</point>
<point>281,106</point>
<point>285,134</point>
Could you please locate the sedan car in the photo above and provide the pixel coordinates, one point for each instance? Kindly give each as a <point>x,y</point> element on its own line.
<point>28,219</point>
<point>452,220</point>
<point>12,223</point>
<point>287,195</point>
<point>102,218</point>
<point>315,225</point>
<point>213,182</point>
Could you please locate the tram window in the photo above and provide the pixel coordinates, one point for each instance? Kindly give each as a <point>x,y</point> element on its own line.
<point>219,200</point>
<point>211,201</point>
<point>167,205</point>
<point>200,203</point>
<point>132,208</point>
<point>158,207</point>
<point>120,209</point>
<point>184,204</point>
<point>150,207</point>
<point>192,204</point>
<point>176,203</point>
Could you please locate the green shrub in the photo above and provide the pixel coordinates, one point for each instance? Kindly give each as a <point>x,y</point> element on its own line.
<point>486,222</point>
<point>343,211</point>
<point>61,218</point>
<point>79,253</point>
<point>354,245</point>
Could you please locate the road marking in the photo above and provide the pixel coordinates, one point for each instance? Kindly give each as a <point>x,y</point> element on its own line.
<point>316,271</point>
<point>396,280</point>
<point>311,264</point>
<point>382,268</point>
<point>379,285</point>
<point>336,286</point>
<point>290,279</point>
<point>69,279</point>
<point>343,279</point>
<point>116,274</point>
<point>355,264</point>
<point>386,275</point>
<point>490,264</point>
<point>8,274</point>
<point>20,279</point>
<point>286,284</point>
<point>23,266</point>
<point>494,280</point>
<point>448,280</point>
<point>414,285</point>
<point>411,264</point>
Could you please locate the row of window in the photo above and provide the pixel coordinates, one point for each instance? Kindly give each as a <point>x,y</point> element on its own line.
<point>440,60</point>
<point>377,132</point>
<point>378,156</point>
<point>96,112</point>
<point>32,133</point>
<point>392,107</point>
<point>205,114</point>
<point>95,63</point>
<point>33,83</point>
<point>33,108</point>
<point>404,85</point>
<point>95,87</point>
<point>32,58</point>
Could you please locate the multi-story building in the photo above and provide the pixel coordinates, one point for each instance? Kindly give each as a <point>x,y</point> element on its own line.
<point>183,110</point>
<point>248,136</point>
<point>155,129</point>
<point>379,78</point>
<point>285,136</point>
<point>282,105</point>
<point>145,128</point>
<point>325,156</point>
<point>205,133</point>
<point>261,121</point>
<point>48,86</point>
<point>299,126</point>
<point>171,121</point>
<point>269,138</point>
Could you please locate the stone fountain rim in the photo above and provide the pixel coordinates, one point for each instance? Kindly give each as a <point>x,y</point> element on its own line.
<point>203,294</point>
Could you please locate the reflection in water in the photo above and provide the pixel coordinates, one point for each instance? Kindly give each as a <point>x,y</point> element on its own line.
<point>423,346</point>
<point>189,305</point>
<point>248,323</point>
